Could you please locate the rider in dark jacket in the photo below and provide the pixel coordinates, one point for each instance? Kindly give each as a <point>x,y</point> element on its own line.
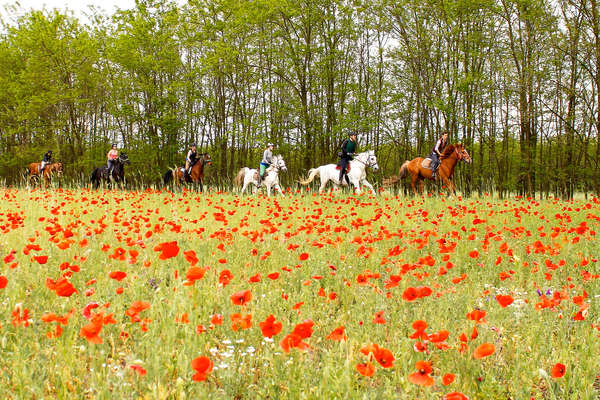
<point>190,159</point>
<point>436,153</point>
<point>46,159</point>
<point>346,155</point>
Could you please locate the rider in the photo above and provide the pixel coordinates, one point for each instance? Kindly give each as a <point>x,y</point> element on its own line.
<point>46,159</point>
<point>112,156</point>
<point>266,162</point>
<point>436,153</point>
<point>190,159</point>
<point>347,154</point>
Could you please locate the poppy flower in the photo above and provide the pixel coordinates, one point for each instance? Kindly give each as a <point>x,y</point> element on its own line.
<point>91,330</point>
<point>3,282</point>
<point>269,327</point>
<point>190,256</point>
<point>421,377</point>
<point>366,369</point>
<point>41,259</point>
<point>225,277</point>
<point>474,254</point>
<point>448,379</point>
<point>477,315</point>
<point>216,319</point>
<point>486,349</point>
<point>419,327</point>
<point>117,275</point>
<point>384,357</point>
<point>410,294</point>
<point>139,369</point>
<point>304,329</point>
<point>455,396</point>
<point>303,256</point>
<point>240,321</point>
<point>203,366</point>
<point>193,274</point>
<point>379,317</point>
<point>292,340</point>
<point>338,334</point>
<point>504,301</point>
<point>241,298</point>
<point>167,250</point>
<point>558,370</point>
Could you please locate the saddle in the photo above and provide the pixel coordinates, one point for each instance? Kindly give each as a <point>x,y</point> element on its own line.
<point>426,163</point>
<point>338,167</point>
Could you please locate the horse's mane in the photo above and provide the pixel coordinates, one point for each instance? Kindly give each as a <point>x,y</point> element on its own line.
<point>448,151</point>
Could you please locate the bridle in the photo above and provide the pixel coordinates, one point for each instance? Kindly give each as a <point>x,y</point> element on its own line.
<point>367,164</point>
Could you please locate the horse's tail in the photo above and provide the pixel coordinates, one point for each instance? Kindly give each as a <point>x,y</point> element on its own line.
<point>168,177</point>
<point>239,178</point>
<point>392,180</point>
<point>26,173</point>
<point>312,173</point>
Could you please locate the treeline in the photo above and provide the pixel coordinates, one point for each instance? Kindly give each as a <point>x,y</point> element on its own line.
<point>517,80</point>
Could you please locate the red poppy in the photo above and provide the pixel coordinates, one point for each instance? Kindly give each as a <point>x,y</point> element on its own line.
<point>504,301</point>
<point>193,274</point>
<point>91,331</point>
<point>304,329</point>
<point>384,357</point>
<point>216,319</point>
<point>558,370</point>
<point>3,282</point>
<point>167,250</point>
<point>270,327</point>
<point>225,277</point>
<point>292,340</point>
<point>410,294</point>
<point>477,315</point>
<point>190,256</point>
<point>455,396</point>
<point>41,259</point>
<point>241,322</point>
<point>203,366</point>
<point>139,369</point>
<point>303,256</point>
<point>366,369</point>
<point>338,334</point>
<point>448,379</point>
<point>241,298</point>
<point>117,275</point>
<point>379,317</point>
<point>421,377</point>
<point>486,349</point>
<point>419,327</point>
<point>474,254</point>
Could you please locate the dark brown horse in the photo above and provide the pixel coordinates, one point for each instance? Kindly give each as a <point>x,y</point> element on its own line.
<point>34,171</point>
<point>452,154</point>
<point>196,176</point>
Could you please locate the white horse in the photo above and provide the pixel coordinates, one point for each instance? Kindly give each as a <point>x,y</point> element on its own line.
<point>357,174</point>
<point>247,176</point>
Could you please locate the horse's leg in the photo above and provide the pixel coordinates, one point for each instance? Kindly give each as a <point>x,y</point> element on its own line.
<point>268,190</point>
<point>364,182</point>
<point>278,188</point>
<point>421,186</point>
<point>413,183</point>
<point>244,187</point>
<point>201,186</point>
<point>323,184</point>
<point>449,184</point>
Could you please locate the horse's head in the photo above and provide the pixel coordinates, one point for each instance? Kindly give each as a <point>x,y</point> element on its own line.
<point>463,154</point>
<point>59,168</point>
<point>206,160</point>
<point>124,159</point>
<point>369,159</point>
<point>279,163</point>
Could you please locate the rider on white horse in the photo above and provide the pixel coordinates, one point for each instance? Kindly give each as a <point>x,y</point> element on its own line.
<point>346,155</point>
<point>266,162</point>
<point>247,176</point>
<point>356,176</point>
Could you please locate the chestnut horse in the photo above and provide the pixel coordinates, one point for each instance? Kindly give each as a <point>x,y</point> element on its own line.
<point>34,171</point>
<point>196,175</point>
<point>453,153</point>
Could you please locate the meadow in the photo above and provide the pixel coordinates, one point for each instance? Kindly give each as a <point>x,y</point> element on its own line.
<point>152,294</point>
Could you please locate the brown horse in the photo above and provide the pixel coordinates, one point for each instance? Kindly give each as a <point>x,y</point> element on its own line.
<point>196,175</point>
<point>49,170</point>
<point>452,154</point>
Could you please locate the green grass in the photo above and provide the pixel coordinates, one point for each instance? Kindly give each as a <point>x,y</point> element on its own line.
<point>344,236</point>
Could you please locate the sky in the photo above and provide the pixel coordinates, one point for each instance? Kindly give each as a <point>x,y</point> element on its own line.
<point>79,7</point>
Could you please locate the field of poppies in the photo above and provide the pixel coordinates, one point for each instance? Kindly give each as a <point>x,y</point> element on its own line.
<point>184,295</point>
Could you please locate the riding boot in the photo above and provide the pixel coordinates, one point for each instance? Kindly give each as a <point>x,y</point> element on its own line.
<point>347,179</point>
<point>341,175</point>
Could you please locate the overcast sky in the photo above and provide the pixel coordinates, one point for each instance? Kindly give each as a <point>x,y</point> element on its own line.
<point>79,7</point>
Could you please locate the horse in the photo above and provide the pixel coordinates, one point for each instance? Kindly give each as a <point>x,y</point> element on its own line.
<point>118,172</point>
<point>418,168</point>
<point>246,176</point>
<point>34,171</point>
<point>195,176</point>
<point>357,172</point>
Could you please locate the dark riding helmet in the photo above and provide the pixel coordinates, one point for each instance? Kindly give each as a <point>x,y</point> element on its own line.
<point>113,145</point>
<point>50,151</point>
<point>353,133</point>
<point>193,145</point>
